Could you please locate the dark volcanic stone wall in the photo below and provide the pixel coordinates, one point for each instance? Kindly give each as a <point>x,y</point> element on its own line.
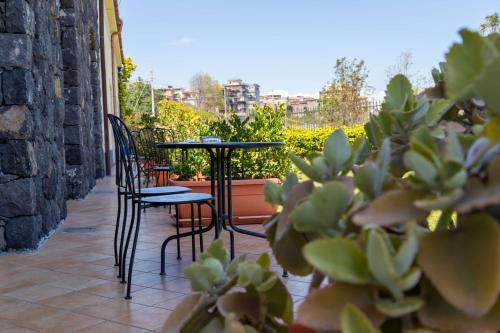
<point>49,114</point>
<point>81,84</point>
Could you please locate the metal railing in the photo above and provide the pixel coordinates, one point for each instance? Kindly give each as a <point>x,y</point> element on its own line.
<point>331,116</point>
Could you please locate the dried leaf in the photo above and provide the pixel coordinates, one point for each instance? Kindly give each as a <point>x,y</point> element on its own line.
<point>392,207</point>
<point>436,313</point>
<point>322,308</point>
<point>464,264</point>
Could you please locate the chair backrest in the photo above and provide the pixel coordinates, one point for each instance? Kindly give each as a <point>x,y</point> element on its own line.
<point>120,179</point>
<point>163,156</point>
<point>128,168</point>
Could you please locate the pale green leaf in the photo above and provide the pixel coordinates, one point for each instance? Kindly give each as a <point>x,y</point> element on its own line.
<point>306,168</point>
<point>399,94</point>
<point>410,279</point>
<point>337,150</point>
<point>233,265</point>
<point>354,321</point>
<point>202,278</point>
<point>469,64</point>
<point>424,169</point>
<point>216,250</point>
<point>341,259</point>
<point>273,193</point>
<point>249,273</point>
<point>407,251</point>
<point>381,263</point>
<point>397,309</point>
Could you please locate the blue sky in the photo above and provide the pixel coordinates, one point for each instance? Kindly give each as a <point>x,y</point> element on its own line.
<point>290,45</point>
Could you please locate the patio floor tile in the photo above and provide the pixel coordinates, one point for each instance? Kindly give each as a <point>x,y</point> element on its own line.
<point>111,309</point>
<point>37,292</point>
<point>62,322</point>
<point>70,284</point>
<point>18,330</point>
<point>149,318</point>
<point>73,300</point>
<point>110,327</point>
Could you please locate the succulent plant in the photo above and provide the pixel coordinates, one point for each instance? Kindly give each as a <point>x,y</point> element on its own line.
<point>232,296</point>
<point>358,220</point>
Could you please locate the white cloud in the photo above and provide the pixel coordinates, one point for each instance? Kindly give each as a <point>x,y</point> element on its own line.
<point>281,92</point>
<point>313,95</point>
<point>286,93</point>
<point>181,41</point>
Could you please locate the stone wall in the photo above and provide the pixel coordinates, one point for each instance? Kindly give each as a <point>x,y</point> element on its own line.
<point>83,119</point>
<point>49,114</point>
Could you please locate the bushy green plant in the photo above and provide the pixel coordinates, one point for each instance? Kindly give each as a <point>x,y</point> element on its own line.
<point>358,224</point>
<point>265,125</point>
<point>303,141</point>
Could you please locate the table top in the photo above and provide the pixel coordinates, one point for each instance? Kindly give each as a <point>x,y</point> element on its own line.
<point>194,145</point>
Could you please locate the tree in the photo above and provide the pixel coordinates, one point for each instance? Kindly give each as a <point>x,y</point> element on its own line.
<point>404,66</point>
<point>209,94</point>
<point>342,100</point>
<point>124,75</point>
<point>491,24</point>
<point>138,99</point>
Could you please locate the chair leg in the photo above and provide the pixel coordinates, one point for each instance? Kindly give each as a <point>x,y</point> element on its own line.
<point>193,236</point>
<point>200,226</point>
<point>122,238</point>
<point>117,227</point>
<point>177,231</point>
<point>129,235</point>
<point>132,255</point>
<point>231,241</point>
<point>185,234</point>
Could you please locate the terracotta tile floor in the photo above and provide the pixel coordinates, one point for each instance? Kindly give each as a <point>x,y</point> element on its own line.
<point>70,285</point>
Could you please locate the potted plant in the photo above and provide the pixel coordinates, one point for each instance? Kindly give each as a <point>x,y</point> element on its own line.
<point>399,234</point>
<point>251,168</point>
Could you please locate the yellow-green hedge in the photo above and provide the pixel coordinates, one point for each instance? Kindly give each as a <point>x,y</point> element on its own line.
<point>302,141</point>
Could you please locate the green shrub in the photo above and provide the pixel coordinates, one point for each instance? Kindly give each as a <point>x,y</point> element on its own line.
<point>265,125</point>
<point>302,141</point>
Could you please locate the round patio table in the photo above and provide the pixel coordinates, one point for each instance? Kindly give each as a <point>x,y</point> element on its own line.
<point>220,175</point>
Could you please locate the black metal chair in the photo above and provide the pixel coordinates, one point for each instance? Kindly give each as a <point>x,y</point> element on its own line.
<point>123,194</point>
<point>129,165</point>
<point>156,162</point>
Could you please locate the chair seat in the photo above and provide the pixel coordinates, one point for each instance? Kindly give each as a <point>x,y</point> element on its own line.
<point>162,168</point>
<point>162,190</point>
<point>178,199</point>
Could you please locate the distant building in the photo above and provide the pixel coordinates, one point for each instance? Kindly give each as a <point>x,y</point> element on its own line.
<point>293,104</point>
<point>240,96</point>
<point>297,104</point>
<point>272,100</point>
<point>178,94</point>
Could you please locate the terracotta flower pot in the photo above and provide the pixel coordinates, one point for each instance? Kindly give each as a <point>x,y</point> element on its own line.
<point>249,205</point>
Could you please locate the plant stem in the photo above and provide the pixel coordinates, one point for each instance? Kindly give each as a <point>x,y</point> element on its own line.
<point>444,221</point>
<point>317,279</point>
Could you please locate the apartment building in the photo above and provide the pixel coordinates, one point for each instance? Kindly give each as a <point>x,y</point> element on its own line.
<point>240,96</point>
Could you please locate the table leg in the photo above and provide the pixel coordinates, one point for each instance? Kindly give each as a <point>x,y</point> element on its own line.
<point>213,173</point>
<point>224,215</point>
<point>229,200</point>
